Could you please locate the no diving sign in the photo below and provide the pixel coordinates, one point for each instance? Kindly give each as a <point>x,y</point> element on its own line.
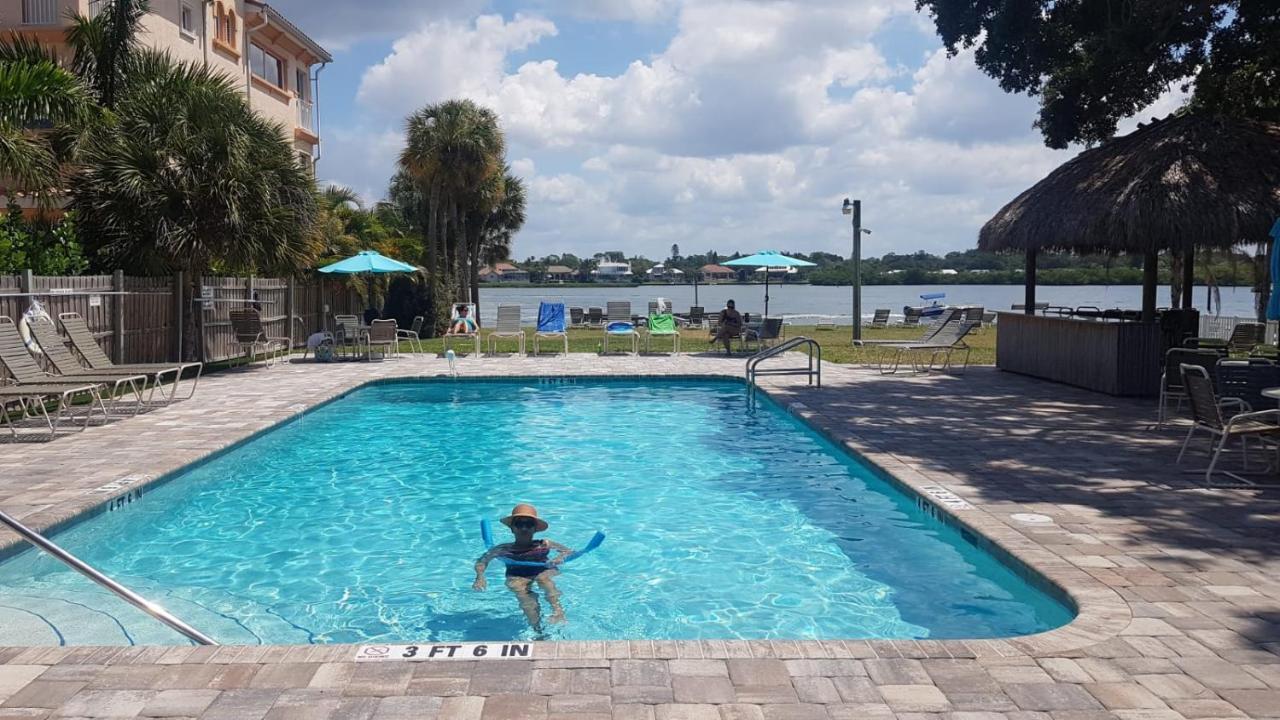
<point>455,651</point>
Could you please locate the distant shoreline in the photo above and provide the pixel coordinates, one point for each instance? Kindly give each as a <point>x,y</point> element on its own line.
<point>512,285</point>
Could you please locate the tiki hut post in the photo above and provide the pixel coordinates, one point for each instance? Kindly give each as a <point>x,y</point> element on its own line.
<point>1150,284</point>
<point>1030,278</point>
<point>1188,276</point>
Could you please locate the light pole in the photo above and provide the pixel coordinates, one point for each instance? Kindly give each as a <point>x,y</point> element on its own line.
<point>854,208</point>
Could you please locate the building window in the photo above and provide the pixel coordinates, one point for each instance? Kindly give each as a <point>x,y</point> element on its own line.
<point>266,66</point>
<point>224,23</point>
<point>187,20</point>
<point>300,77</point>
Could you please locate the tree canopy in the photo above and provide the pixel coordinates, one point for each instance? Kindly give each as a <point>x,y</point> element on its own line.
<point>1093,63</point>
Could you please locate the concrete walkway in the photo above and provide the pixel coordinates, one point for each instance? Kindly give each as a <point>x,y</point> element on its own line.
<point>1179,588</point>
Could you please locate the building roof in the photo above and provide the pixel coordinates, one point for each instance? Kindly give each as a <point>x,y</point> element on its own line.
<point>718,269</point>
<point>559,269</point>
<point>499,268</point>
<point>1195,180</point>
<point>275,18</point>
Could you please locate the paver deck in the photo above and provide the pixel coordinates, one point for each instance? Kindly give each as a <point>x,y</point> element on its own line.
<point>1179,587</point>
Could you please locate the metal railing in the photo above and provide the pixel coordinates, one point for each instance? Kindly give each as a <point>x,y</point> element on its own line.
<point>39,12</point>
<point>306,115</point>
<point>814,370</point>
<point>129,596</point>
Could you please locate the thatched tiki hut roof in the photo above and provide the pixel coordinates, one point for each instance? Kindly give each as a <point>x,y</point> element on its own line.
<point>1194,181</point>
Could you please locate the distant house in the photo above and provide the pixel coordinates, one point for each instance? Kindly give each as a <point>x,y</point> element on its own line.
<point>662,272</point>
<point>717,273</point>
<point>612,272</point>
<point>503,272</point>
<point>559,273</point>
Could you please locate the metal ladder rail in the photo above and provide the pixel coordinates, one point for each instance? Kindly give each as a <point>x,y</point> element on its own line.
<point>129,596</point>
<point>814,371</point>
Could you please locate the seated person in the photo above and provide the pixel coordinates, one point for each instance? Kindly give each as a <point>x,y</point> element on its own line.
<point>463,324</point>
<point>728,325</point>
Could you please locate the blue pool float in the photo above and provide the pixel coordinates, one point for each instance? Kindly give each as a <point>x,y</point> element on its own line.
<point>486,534</point>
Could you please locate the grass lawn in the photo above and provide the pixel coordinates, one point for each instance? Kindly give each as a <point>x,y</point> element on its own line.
<point>836,346</point>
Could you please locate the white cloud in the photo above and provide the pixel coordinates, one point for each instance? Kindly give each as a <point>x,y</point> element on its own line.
<point>337,23</point>
<point>743,132</point>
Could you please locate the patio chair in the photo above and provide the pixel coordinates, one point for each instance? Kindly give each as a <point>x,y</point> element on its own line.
<point>28,377</point>
<point>64,364</point>
<point>974,315</point>
<point>697,316</point>
<point>251,335</point>
<point>879,320</point>
<point>770,331</point>
<point>619,325</point>
<point>825,322</point>
<point>1243,339</point>
<point>413,335</point>
<point>348,336</point>
<point>944,343</point>
<point>470,337</point>
<point>1171,387</point>
<point>551,325</point>
<point>662,325</point>
<point>653,309</point>
<point>508,326</point>
<point>576,316</point>
<point>1037,308</point>
<point>911,316</point>
<point>1207,416</point>
<point>34,401</point>
<point>595,317</point>
<point>82,340</point>
<point>988,319</point>
<point>383,334</point>
<point>1245,380</point>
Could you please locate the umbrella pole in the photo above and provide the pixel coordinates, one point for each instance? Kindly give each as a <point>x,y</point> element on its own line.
<point>766,292</point>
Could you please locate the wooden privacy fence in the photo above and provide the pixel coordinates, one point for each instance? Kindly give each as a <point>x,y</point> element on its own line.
<point>140,319</point>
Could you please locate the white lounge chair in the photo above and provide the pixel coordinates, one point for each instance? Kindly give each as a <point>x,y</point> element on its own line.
<point>619,325</point>
<point>508,326</point>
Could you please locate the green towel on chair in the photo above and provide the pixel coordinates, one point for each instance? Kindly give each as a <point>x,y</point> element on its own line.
<point>664,324</point>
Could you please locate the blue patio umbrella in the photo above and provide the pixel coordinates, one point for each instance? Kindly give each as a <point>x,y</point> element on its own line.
<point>770,260</point>
<point>367,262</point>
<point>1273,304</point>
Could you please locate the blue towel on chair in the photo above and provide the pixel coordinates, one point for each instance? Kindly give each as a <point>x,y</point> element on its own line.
<point>620,328</point>
<point>551,318</point>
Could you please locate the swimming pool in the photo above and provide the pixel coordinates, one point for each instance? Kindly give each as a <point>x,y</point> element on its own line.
<point>359,522</point>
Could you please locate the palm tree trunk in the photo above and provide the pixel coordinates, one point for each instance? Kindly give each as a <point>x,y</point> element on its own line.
<point>464,256</point>
<point>476,246</point>
<point>433,236</point>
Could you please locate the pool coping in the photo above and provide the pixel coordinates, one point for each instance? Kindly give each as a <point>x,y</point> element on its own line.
<point>1101,613</point>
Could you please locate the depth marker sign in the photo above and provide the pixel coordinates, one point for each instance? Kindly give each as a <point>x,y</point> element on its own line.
<point>444,651</point>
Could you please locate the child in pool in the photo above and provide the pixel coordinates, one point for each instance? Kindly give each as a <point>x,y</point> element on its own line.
<point>524,522</point>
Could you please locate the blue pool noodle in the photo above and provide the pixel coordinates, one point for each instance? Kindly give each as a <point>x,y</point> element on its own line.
<point>486,534</point>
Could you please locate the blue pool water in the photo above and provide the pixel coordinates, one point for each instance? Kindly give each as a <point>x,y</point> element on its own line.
<point>360,522</point>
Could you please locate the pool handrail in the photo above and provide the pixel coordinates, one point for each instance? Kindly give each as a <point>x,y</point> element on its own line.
<point>813,371</point>
<point>129,596</point>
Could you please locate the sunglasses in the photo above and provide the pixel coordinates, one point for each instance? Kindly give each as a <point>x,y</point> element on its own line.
<point>523,524</point>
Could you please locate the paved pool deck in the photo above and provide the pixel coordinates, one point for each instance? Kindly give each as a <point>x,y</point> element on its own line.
<point>1178,587</point>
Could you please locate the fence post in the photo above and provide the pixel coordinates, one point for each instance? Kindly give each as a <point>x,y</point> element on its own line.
<point>117,318</point>
<point>25,285</point>
<point>288,308</point>
<point>248,292</point>
<point>179,315</point>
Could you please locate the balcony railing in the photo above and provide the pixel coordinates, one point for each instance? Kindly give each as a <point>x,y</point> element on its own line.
<point>95,7</point>
<point>306,115</point>
<point>39,12</point>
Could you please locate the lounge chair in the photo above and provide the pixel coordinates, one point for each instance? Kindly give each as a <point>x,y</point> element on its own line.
<point>1207,416</point>
<point>1244,338</point>
<point>33,400</point>
<point>974,315</point>
<point>383,334</point>
<point>881,318</point>
<point>988,319</point>
<point>662,325</point>
<point>825,323</point>
<point>413,335</point>
<point>948,340</point>
<point>28,375</point>
<point>82,340</point>
<point>619,325</point>
<point>471,337</point>
<point>575,316</point>
<point>946,319</point>
<point>911,316</point>
<point>55,352</point>
<point>348,336</point>
<point>251,335</point>
<point>595,317</point>
<point>551,325</point>
<point>1171,387</point>
<point>508,326</point>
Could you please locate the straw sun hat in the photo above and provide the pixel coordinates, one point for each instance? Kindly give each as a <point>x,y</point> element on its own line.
<point>525,510</point>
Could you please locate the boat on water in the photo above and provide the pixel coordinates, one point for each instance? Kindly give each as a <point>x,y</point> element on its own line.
<point>929,308</point>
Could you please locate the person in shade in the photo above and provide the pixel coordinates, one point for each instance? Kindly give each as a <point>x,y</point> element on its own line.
<point>524,523</point>
<point>728,325</point>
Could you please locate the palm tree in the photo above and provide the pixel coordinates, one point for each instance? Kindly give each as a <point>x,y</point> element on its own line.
<point>104,47</point>
<point>188,177</point>
<point>44,114</point>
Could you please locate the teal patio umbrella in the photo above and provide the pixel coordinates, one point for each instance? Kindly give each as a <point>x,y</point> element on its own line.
<point>769,260</point>
<point>367,262</point>
<point>1273,304</point>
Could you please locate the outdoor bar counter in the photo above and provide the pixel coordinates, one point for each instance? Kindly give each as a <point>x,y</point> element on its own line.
<point>1117,358</point>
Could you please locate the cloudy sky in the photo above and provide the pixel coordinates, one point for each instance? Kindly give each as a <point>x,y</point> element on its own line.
<point>711,124</point>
